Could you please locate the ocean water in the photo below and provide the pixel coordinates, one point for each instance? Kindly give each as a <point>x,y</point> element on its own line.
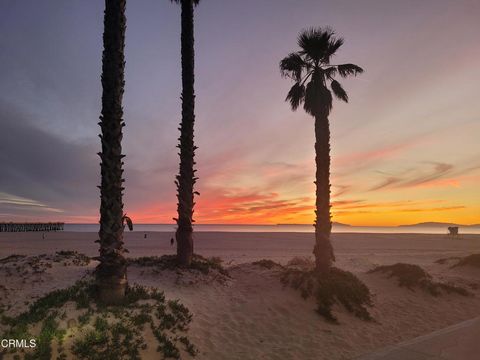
<point>417,229</point>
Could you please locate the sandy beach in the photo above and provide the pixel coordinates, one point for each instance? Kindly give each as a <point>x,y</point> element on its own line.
<point>251,315</point>
<point>232,180</point>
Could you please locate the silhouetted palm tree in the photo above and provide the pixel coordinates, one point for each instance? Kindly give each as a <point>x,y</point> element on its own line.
<point>111,273</point>
<point>312,72</point>
<point>186,178</point>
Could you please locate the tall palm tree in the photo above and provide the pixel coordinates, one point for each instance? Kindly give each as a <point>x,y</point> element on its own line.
<point>186,179</point>
<point>312,73</point>
<point>111,273</point>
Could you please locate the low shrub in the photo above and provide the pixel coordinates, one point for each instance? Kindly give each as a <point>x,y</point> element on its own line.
<point>413,276</point>
<point>470,260</point>
<point>267,264</point>
<point>302,262</point>
<point>333,287</point>
<point>102,332</point>
<point>169,262</point>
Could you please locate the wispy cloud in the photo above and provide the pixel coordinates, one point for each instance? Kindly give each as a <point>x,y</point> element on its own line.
<point>442,208</point>
<point>389,181</point>
<point>381,209</point>
<point>364,158</point>
<point>360,205</point>
<point>341,190</point>
<point>439,170</point>
<point>433,174</point>
<point>250,206</point>
<point>24,203</point>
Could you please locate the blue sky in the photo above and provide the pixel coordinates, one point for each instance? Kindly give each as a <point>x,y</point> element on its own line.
<point>404,149</point>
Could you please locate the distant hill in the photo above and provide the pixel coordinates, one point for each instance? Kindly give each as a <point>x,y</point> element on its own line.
<point>438,224</point>
<point>340,224</point>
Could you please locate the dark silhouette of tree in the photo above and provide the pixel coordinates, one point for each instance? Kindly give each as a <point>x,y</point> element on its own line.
<point>311,71</point>
<point>111,273</point>
<point>186,179</point>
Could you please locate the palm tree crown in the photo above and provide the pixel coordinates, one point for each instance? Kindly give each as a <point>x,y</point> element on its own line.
<point>312,63</point>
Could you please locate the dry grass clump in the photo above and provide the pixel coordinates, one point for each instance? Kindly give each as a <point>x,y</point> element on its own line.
<point>443,261</point>
<point>334,287</point>
<point>69,257</point>
<point>470,260</point>
<point>267,264</point>
<point>12,258</point>
<point>169,262</point>
<point>413,276</point>
<point>39,264</point>
<point>302,262</point>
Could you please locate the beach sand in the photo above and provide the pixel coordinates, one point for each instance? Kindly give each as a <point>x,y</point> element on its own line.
<point>251,315</point>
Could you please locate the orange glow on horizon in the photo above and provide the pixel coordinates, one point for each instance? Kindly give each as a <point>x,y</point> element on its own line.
<point>248,210</point>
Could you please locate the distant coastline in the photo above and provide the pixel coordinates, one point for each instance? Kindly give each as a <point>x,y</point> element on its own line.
<point>423,228</point>
<point>440,224</point>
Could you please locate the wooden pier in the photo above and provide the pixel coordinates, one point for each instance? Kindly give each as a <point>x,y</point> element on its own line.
<point>23,227</point>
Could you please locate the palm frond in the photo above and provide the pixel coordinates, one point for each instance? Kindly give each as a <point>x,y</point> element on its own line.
<point>318,99</point>
<point>333,45</point>
<point>349,69</point>
<point>338,90</point>
<point>296,95</point>
<point>330,72</point>
<point>314,42</point>
<point>292,66</point>
<point>126,220</point>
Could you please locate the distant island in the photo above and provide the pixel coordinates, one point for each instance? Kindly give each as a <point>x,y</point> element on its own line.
<point>439,224</point>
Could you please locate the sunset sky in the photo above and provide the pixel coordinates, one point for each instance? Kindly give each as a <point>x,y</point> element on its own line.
<point>405,149</point>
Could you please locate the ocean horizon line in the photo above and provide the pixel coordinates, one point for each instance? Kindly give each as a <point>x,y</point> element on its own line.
<point>280,228</point>
<point>429,223</point>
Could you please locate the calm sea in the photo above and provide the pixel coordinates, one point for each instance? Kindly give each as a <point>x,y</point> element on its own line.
<point>282,228</point>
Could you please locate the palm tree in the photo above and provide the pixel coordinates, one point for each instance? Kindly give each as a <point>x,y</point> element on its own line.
<point>111,273</point>
<point>186,179</point>
<point>311,71</point>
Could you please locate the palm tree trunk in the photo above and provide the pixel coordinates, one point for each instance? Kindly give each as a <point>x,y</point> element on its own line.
<point>111,273</point>
<point>323,248</point>
<point>186,178</point>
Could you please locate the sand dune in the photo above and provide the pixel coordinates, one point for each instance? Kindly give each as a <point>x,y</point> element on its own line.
<point>251,315</point>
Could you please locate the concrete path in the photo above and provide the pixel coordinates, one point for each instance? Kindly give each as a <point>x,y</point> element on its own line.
<point>457,342</point>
